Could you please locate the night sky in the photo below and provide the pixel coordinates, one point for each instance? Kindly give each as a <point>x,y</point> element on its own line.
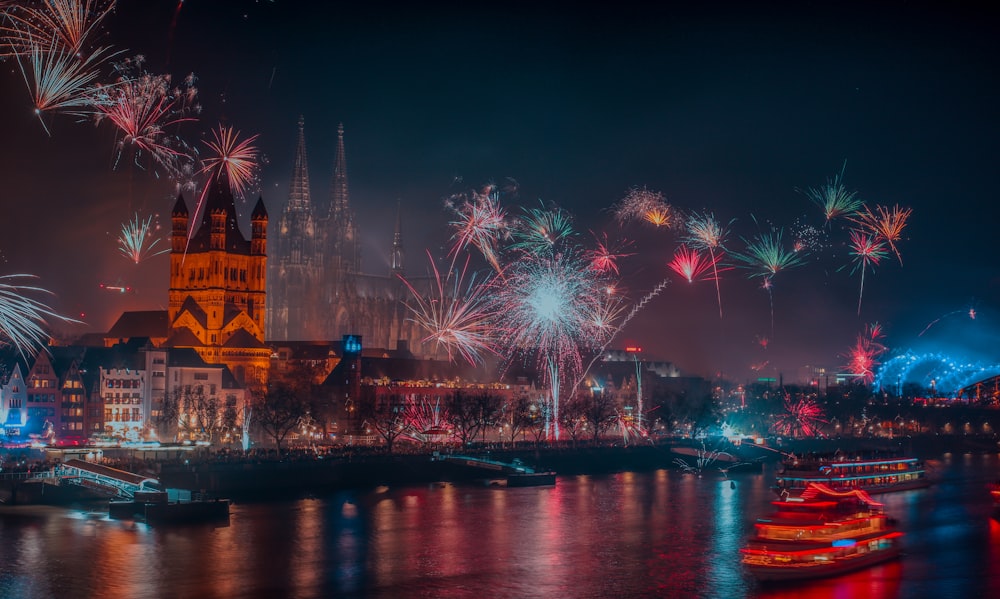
<point>721,107</point>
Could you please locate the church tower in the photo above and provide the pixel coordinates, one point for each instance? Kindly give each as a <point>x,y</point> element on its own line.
<point>217,297</point>
<point>297,262</point>
<point>344,238</point>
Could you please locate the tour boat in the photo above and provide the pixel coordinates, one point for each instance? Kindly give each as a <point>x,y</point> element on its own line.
<point>822,532</point>
<point>841,473</point>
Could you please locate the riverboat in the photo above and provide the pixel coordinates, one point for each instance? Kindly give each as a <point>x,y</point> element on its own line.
<point>844,473</point>
<point>820,533</point>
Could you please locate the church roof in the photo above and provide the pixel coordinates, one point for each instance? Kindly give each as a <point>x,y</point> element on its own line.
<point>183,337</point>
<point>145,323</point>
<point>243,339</point>
<point>196,311</point>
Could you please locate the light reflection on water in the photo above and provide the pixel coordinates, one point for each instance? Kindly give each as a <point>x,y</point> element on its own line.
<point>633,535</point>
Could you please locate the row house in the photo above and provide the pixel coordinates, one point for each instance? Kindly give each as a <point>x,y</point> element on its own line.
<point>131,391</point>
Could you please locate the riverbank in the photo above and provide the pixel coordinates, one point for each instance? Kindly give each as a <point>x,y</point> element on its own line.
<point>304,475</point>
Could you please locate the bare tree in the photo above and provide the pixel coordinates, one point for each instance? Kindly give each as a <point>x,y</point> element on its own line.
<point>278,411</point>
<point>572,417</point>
<point>599,412</point>
<point>387,417</point>
<point>518,415</point>
<point>487,411</point>
<point>461,412</point>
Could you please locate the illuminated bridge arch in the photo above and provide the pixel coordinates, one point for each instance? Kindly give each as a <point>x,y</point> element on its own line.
<point>947,373</point>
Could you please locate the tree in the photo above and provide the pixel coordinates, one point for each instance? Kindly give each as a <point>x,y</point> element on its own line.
<point>387,416</point>
<point>487,411</point>
<point>572,416</point>
<point>518,416</point>
<point>599,412</point>
<point>278,411</point>
<point>461,412</point>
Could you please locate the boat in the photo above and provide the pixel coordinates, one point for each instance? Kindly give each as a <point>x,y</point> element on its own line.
<point>173,506</point>
<point>843,473</point>
<point>820,533</point>
<point>531,479</point>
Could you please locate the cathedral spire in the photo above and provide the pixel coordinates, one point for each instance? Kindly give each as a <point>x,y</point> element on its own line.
<point>397,242</point>
<point>298,194</point>
<point>338,203</point>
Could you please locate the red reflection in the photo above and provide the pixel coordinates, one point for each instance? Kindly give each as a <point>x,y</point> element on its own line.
<point>879,582</point>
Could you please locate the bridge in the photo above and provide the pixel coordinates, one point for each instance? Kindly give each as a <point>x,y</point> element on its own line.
<point>102,478</point>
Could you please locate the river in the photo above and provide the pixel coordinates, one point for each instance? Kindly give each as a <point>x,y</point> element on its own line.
<point>652,534</point>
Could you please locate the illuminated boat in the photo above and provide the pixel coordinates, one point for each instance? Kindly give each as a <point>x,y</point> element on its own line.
<point>820,533</point>
<point>840,473</point>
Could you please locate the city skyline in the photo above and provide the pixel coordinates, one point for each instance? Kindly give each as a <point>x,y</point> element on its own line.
<point>731,116</point>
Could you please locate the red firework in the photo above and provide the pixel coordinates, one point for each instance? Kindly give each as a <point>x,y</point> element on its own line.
<point>863,355</point>
<point>802,418</point>
<point>238,157</point>
<point>693,265</point>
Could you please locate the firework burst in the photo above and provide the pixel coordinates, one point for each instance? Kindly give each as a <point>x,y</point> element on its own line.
<point>863,355</point>
<point>885,223</point>
<point>834,199</point>
<point>867,251</point>
<point>142,109</point>
<point>22,318</point>
<point>645,205</point>
<point>138,240</point>
<point>704,232</point>
<point>550,306</point>
<point>64,23</point>
<point>541,231</point>
<point>455,315</point>
<point>238,157</point>
<point>481,223</point>
<point>605,255</point>
<point>765,257</point>
<point>59,80</point>
<point>693,265</point>
<point>802,418</point>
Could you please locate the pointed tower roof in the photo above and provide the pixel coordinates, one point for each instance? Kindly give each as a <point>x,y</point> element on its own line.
<point>338,199</point>
<point>298,194</point>
<point>180,206</point>
<point>259,211</point>
<point>219,199</point>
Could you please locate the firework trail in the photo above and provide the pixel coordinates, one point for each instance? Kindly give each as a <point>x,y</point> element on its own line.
<point>802,418</point>
<point>885,223</point>
<point>834,198</point>
<point>546,306</point>
<point>63,23</point>
<point>645,205</point>
<point>703,232</point>
<point>23,318</point>
<point>456,316</point>
<point>765,257</point>
<point>605,255</point>
<point>693,265</point>
<point>137,241</point>
<point>143,108</point>
<point>863,355</point>
<point>238,157</point>
<point>867,250</point>
<point>540,231</point>
<point>970,311</point>
<point>480,223</point>
<point>424,421</point>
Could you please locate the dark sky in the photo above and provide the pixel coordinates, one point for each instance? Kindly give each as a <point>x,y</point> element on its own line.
<point>720,106</point>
